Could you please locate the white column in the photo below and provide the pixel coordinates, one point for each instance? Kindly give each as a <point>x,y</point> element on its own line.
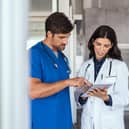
<point>87,4</point>
<point>14,88</point>
<point>72,58</point>
<point>99,3</point>
<point>64,6</point>
<point>54,5</point>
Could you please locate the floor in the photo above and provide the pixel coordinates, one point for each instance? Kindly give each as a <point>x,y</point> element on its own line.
<point>77,125</point>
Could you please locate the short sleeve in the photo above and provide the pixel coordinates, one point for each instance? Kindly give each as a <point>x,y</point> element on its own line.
<point>35,63</point>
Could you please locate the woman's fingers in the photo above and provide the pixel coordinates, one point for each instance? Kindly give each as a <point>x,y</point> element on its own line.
<point>97,92</point>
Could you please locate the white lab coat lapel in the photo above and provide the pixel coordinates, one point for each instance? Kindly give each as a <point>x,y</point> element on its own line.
<point>103,72</point>
<point>90,71</point>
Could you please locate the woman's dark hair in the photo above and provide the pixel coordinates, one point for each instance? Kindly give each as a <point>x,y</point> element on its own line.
<point>105,31</point>
<point>58,23</point>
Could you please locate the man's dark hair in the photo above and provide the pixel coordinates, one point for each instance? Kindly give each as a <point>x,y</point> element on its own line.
<point>58,23</point>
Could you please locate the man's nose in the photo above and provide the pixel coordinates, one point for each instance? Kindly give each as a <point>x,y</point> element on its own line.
<point>65,40</point>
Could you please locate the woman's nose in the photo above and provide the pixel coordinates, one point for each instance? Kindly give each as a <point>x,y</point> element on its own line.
<point>102,48</point>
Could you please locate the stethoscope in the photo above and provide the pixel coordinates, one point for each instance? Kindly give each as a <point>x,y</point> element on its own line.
<point>110,68</point>
<point>53,61</point>
<point>109,73</point>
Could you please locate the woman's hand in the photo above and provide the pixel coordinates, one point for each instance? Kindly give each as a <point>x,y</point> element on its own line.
<point>98,92</point>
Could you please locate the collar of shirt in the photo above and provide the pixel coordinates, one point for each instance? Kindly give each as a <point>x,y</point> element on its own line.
<point>97,65</point>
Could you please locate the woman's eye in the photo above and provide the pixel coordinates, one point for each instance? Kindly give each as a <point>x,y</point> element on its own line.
<point>98,44</point>
<point>107,46</point>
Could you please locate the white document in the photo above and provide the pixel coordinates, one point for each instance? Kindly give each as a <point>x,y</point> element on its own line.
<point>101,86</point>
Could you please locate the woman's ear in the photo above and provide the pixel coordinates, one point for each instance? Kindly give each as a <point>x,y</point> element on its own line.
<point>92,40</point>
<point>111,46</point>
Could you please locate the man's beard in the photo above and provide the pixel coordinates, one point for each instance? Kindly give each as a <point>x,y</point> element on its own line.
<point>61,47</point>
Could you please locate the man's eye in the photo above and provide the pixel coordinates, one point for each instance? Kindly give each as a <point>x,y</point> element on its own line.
<point>61,37</point>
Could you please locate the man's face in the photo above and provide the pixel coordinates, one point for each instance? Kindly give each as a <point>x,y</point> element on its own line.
<point>59,41</point>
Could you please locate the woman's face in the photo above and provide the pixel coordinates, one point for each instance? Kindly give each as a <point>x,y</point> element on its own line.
<point>101,47</point>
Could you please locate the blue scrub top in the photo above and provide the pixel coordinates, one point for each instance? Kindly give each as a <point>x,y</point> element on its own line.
<point>53,112</point>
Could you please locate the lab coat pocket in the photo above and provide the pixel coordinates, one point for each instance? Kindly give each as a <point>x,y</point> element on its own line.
<point>108,120</point>
<point>110,79</point>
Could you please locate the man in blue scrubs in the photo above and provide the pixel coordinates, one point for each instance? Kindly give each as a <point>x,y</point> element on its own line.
<point>49,77</point>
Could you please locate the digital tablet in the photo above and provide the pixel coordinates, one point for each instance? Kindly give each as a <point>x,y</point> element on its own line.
<point>101,86</point>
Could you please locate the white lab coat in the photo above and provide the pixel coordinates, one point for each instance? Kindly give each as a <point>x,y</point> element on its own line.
<point>96,114</point>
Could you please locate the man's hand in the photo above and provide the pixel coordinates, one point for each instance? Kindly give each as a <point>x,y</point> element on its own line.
<point>78,82</point>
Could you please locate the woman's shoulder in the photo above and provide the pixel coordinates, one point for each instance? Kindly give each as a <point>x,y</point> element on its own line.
<point>83,67</point>
<point>87,62</point>
<point>119,64</point>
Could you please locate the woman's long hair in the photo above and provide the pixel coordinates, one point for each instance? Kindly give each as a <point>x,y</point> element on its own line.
<point>105,31</point>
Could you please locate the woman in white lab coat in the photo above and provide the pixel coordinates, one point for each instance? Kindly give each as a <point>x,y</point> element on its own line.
<point>104,108</point>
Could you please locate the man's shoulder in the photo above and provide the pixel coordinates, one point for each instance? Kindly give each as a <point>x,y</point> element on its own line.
<point>36,46</point>
<point>36,50</point>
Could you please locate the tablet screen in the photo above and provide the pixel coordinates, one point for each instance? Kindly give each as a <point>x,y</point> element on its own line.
<point>101,86</point>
